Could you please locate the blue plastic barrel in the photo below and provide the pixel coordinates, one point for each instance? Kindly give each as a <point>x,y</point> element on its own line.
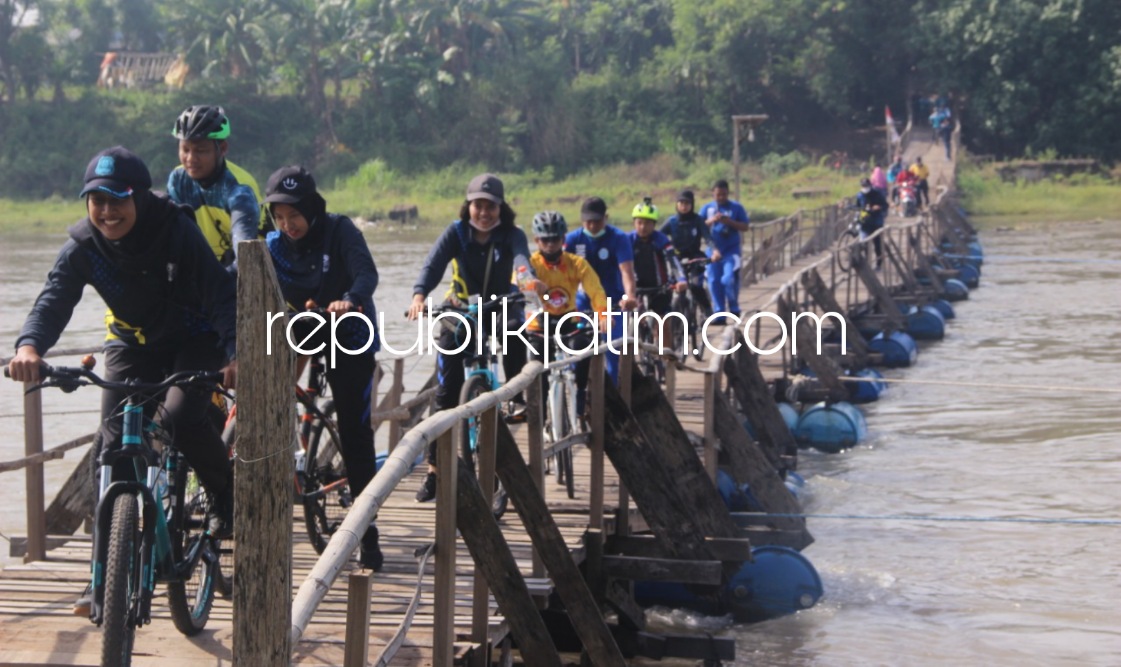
<point>898,349</point>
<point>789,415</point>
<point>976,253</point>
<point>794,483</point>
<point>831,427</point>
<point>969,274</point>
<point>779,581</point>
<point>955,290</point>
<point>926,323</point>
<point>944,307</point>
<point>736,497</point>
<point>866,392</point>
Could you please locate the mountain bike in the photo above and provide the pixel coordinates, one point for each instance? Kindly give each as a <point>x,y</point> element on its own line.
<point>846,249</point>
<point>321,481</point>
<point>562,419</point>
<point>480,376</point>
<point>650,360</point>
<point>694,310</point>
<point>150,522</point>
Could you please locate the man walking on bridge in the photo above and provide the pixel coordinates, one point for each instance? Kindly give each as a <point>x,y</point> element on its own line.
<point>727,219</point>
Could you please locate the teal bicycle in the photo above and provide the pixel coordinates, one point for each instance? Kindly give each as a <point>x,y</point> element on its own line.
<point>150,522</point>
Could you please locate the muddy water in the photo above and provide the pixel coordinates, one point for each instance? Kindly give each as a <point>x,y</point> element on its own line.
<point>916,592</point>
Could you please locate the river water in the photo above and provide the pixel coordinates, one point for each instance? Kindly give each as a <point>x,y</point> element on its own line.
<point>953,586</point>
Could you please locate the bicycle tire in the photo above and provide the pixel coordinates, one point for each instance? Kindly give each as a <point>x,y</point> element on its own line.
<point>557,427</point>
<point>572,420</point>
<point>845,252</point>
<point>118,624</point>
<point>473,387</point>
<point>191,599</point>
<point>323,466</point>
<point>696,321</point>
<point>224,570</point>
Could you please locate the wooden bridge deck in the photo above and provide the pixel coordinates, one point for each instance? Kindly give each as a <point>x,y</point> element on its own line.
<point>37,625</point>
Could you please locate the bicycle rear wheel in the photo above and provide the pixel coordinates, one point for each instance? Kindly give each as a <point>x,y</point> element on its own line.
<point>326,495</point>
<point>473,387</point>
<point>192,597</point>
<point>696,317</point>
<point>121,581</point>
<point>846,252</point>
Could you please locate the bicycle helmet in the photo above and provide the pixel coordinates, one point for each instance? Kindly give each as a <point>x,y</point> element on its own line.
<point>202,122</point>
<point>645,210</point>
<point>549,224</point>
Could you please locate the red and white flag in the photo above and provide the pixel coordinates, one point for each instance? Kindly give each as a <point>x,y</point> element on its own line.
<point>890,122</point>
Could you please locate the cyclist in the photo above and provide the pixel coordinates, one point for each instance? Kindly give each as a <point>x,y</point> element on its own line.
<point>727,219</point>
<point>322,257</point>
<point>173,308</point>
<point>655,263</point>
<point>608,251</point>
<point>483,246</point>
<point>921,173</point>
<point>223,195</point>
<point>687,230</point>
<point>872,202</point>
<point>561,274</point>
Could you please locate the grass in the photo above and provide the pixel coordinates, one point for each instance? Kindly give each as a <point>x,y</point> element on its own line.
<point>374,189</point>
<point>993,201</point>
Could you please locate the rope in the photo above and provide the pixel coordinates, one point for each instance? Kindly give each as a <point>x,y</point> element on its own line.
<point>964,519</point>
<point>984,385</point>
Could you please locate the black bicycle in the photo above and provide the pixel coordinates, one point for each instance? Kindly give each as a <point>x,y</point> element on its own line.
<point>695,310</point>
<point>847,251</point>
<point>150,523</point>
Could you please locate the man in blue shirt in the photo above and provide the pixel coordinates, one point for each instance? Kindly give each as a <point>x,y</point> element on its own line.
<point>727,219</point>
<point>609,252</point>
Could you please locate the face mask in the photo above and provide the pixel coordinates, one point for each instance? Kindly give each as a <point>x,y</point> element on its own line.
<point>865,190</point>
<point>598,234</point>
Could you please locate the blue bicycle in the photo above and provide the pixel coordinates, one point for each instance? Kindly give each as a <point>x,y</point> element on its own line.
<point>480,376</point>
<point>150,522</point>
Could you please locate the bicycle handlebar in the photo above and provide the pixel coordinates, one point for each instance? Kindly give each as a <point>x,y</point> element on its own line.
<point>69,378</point>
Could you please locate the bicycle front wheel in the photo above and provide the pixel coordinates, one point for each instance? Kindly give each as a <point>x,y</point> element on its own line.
<point>326,497</point>
<point>191,597</point>
<point>473,387</point>
<point>121,581</point>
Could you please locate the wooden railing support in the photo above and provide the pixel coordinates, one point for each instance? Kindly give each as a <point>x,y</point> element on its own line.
<point>263,483</point>
<point>356,650</point>
<point>33,475</point>
<point>443,631</point>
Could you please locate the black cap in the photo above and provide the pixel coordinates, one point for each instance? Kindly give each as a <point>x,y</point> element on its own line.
<point>594,208</point>
<point>686,195</point>
<point>486,186</point>
<point>117,171</point>
<point>289,185</point>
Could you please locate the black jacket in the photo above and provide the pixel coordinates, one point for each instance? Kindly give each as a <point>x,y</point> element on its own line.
<point>161,282</point>
<point>469,261</point>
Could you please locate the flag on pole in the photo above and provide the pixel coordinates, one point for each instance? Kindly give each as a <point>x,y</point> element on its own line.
<point>890,122</point>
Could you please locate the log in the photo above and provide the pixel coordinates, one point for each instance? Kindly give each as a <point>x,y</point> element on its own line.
<point>755,471</point>
<point>494,560</point>
<point>551,547</point>
<point>855,346</point>
<point>263,483</point>
<point>825,368</point>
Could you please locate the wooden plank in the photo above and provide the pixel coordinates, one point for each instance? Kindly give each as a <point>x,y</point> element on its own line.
<point>73,503</point>
<point>805,348</point>
<point>646,546</point>
<point>635,568</point>
<point>855,346</point>
<point>755,398</point>
<point>630,614</point>
<point>33,474</point>
<point>882,297</point>
<point>265,467</point>
<point>493,559</point>
<point>550,545</point>
<point>447,463</point>
<point>357,620</point>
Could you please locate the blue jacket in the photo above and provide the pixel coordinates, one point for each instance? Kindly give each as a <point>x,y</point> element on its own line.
<point>726,239</point>
<point>605,254</point>
<point>227,211</point>
<point>469,261</point>
<point>337,266</point>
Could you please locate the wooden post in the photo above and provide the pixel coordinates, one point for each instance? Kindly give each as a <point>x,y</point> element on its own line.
<point>824,297</point>
<point>356,650</point>
<point>671,379</point>
<point>535,422</point>
<point>395,391</point>
<point>375,383</point>
<point>548,541</point>
<point>443,631</point>
<point>263,484</point>
<point>710,396</point>
<point>33,475</point>
<point>883,298</point>
<point>806,348</point>
<point>754,396</point>
<point>480,605</point>
<point>492,556</point>
<point>623,507</point>
<point>597,383</point>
